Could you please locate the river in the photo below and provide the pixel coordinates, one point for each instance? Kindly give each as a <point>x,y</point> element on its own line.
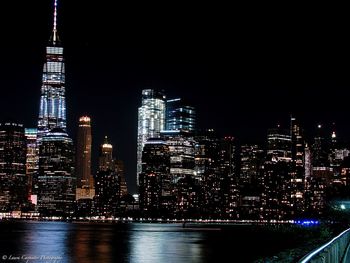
<point>58,242</point>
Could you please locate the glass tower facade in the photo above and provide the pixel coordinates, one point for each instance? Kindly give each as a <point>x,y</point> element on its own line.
<point>56,178</point>
<point>151,120</point>
<point>52,112</point>
<point>180,116</point>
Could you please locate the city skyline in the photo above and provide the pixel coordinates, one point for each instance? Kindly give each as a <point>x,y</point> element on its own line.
<point>107,76</point>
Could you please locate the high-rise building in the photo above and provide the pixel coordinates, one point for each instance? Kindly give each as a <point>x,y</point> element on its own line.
<point>85,180</point>
<point>105,160</point>
<point>276,197</point>
<point>277,175</point>
<point>215,171</point>
<point>32,162</point>
<point>119,167</point>
<point>250,158</point>
<point>322,173</point>
<point>155,194</point>
<point>151,120</point>
<point>52,113</point>
<point>250,181</point>
<point>229,180</point>
<point>336,155</point>
<point>180,182</point>
<point>107,182</point>
<point>298,182</point>
<point>307,161</point>
<point>320,149</point>
<point>298,144</point>
<point>56,180</point>
<point>181,150</point>
<point>180,116</point>
<point>279,144</point>
<point>13,179</point>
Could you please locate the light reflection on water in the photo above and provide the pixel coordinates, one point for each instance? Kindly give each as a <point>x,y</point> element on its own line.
<point>137,242</point>
<point>90,243</point>
<point>164,243</point>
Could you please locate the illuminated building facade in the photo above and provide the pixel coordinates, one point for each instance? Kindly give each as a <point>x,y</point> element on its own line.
<point>180,183</point>
<point>56,180</point>
<point>320,149</point>
<point>151,120</point>
<point>180,116</point>
<point>155,193</point>
<point>250,181</point>
<point>277,175</point>
<point>107,182</point>
<point>322,174</point>
<point>32,162</point>
<point>215,168</point>
<point>336,156</point>
<point>229,179</point>
<point>85,180</point>
<point>119,167</point>
<point>298,182</point>
<point>279,144</point>
<point>250,159</point>
<point>13,179</point>
<point>52,113</point>
<point>105,160</point>
<point>276,197</point>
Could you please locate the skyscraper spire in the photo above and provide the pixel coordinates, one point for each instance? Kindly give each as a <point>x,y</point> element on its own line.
<point>54,30</point>
<point>52,113</point>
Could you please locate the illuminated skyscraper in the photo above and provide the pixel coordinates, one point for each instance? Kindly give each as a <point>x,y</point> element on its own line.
<point>107,182</point>
<point>279,144</point>
<point>85,180</point>
<point>106,156</point>
<point>278,173</point>
<point>180,116</point>
<point>215,169</point>
<point>179,184</point>
<point>119,168</point>
<point>251,157</point>
<point>298,168</point>
<point>320,149</point>
<point>154,179</point>
<point>13,180</point>
<point>151,120</point>
<point>298,145</point>
<point>56,183</point>
<point>32,163</point>
<point>56,180</point>
<point>52,113</point>
<point>250,181</point>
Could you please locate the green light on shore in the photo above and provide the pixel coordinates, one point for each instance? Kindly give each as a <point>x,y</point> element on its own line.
<point>342,206</point>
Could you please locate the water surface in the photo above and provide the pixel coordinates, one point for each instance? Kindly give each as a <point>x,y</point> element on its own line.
<point>135,242</point>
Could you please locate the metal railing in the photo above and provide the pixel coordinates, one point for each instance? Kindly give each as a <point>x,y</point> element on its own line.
<point>333,251</point>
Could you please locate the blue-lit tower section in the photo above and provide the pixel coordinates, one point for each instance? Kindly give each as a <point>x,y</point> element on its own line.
<point>151,120</point>
<point>52,113</point>
<point>180,116</point>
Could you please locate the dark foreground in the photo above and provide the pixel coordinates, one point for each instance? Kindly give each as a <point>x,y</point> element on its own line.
<point>36,241</point>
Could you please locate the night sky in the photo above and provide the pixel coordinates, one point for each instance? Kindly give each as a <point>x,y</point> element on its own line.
<point>245,69</point>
